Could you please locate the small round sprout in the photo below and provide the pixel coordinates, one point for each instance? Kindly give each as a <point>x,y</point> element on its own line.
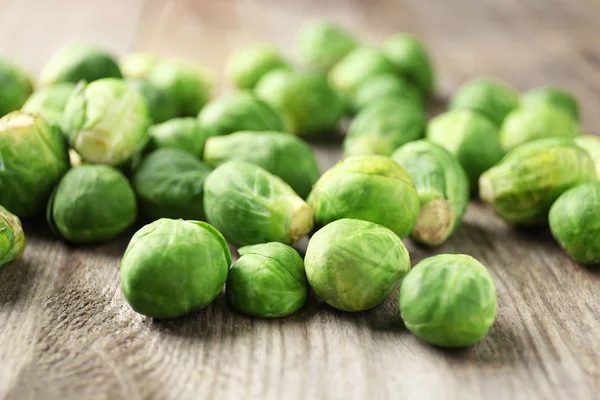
<point>50,102</point>
<point>92,203</point>
<point>174,267</point>
<point>12,238</point>
<point>323,44</point>
<point>16,86</point>
<point>267,281</point>
<point>448,300</point>
<point>552,96</point>
<point>384,86</point>
<point>106,121</point>
<point>161,107</point>
<point>246,66</point>
<point>179,133</point>
<point>591,144</point>
<point>138,65</point>
<point>369,188</point>
<point>354,265</point>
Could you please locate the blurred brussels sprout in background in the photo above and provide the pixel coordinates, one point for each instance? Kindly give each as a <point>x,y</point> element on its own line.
<point>16,86</point>
<point>370,188</point>
<point>161,107</point>
<point>138,65</point>
<point>591,144</point>
<point>180,133</point>
<point>443,188</point>
<point>174,267</point>
<point>106,121</point>
<point>493,99</point>
<point>247,65</point>
<point>306,102</point>
<point>448,300</point>
<point>267,281</point>
<point>170,183</point>
<point>354,265</point>
<point>286,156</point>
<point>383,126</point>
<point>12,238</point>
<point>322,44</point>
<point>250,205</point>
<point>50,102</point>
<point>92,203</point>
<point>384,86</point>
<point>470,137</point>
<point>552,96</point>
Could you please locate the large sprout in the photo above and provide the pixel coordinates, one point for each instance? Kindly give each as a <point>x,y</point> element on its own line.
<point>15,87</point>
<point>323,44</point>
<point>50,102</point>
<point>247,65</point>
<point>179,133</point>
<point>556,97</point>
<point>12,238</point>
<point>161,107</point>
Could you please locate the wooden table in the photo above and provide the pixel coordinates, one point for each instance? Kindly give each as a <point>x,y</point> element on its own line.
<point>67,333</point>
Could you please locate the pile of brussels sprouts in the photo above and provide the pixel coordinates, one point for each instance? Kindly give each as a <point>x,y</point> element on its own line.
<point>101,144</point>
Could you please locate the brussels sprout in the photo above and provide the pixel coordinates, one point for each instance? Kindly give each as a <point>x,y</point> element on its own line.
<point>106,121</point>
<point>370,188</point>
<point>575,222</point>
<point>354,265</point>
<point>161,107</point>
<point>591,144</point>
<point>443,188</point>
<point>384,126</point>
<point>138,65</point>
<point>470,137</point>
<point>12,238</point>
<point>323,44</point>
<point>50,102</point>
<point>174,267</point>
<point>267,281</point>
<point>493,99</point>
<point>250,205</point>
<point>92,203</point>
<point>169,183</point>
<point>448,300</point>
<point>79,61</point>
<point>246,66</point>
<point>411,59</point>
<point>383,86</point>
<point>180,133</point>
<point>283,155</point>
<point>305,100</point>
<point>33,158</point>
<point>16,86</point>
<point>552,96</point>
<point>523,186</point>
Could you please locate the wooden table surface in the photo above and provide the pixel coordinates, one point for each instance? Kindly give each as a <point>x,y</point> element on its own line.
<point>67,333</point>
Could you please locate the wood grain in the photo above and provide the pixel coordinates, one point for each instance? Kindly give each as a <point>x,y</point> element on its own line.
<point>66,332</point>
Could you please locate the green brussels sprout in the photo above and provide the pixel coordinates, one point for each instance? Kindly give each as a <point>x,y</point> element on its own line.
<point>241,111</point>
<point>575,222</point>
<point>50,102</point>
<point>552,96</point>
<point>250,205</point>
<point>170,183</point>
<point>174,267</point>
<point>305,100</point>
<point>369,188</point>
<point>448,300</point>
<point>79,61</point>
<point>286,156</point>
<point>384,86</point>
<point>106,121</point>
<point>591,144</point>
<point>138,65</point>
<point>384,126</point>
<point>92,203</point>
<point>411,60</point>
<point>180,133</point>
<point>12,238</point>
<point>33,158</point>
<point>443,188</point>
<point>493,99</point>
<point>354,265</point>
<point>16,87</point>
<point>161,107</point>
<point>470,137</point>
<point>323,44</point>
<point>523,186</point>
<point>267,281</point>
<point>246,66</point>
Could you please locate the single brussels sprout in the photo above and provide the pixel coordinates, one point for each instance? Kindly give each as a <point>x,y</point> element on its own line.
<point>448,300</point>
<point>552,96</point>
<point>443,188</point>
<point>286,156</point>
<point>79,61</point>
<point>493,99</point>
<point>575,222</point>
<point>250,205</point>
<point>180,133</point>
<point>523,186</point>
<point>411,60</point>
<point>12,238</point>
<point>33,158</point>
<point>591,144</point>
<point>106,121</point>
<point>174,267</point>
<point>170,183</point>
<point>470,137</point>
<point>161,107</point>
<point>323,44</point>
<point>267,281</point>
<point>16,86</point>
<point>384,86</point>
<point>50,102</point>
<point>138,65</point>
<point>305,100</point>
<point>354,265</point>
<point>369,188</point>
<point>246,66</point>
<point>384,126</point>
<point>92,203</point>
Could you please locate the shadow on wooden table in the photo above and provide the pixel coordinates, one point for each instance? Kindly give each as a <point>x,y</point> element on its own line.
<point>16,281</point>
